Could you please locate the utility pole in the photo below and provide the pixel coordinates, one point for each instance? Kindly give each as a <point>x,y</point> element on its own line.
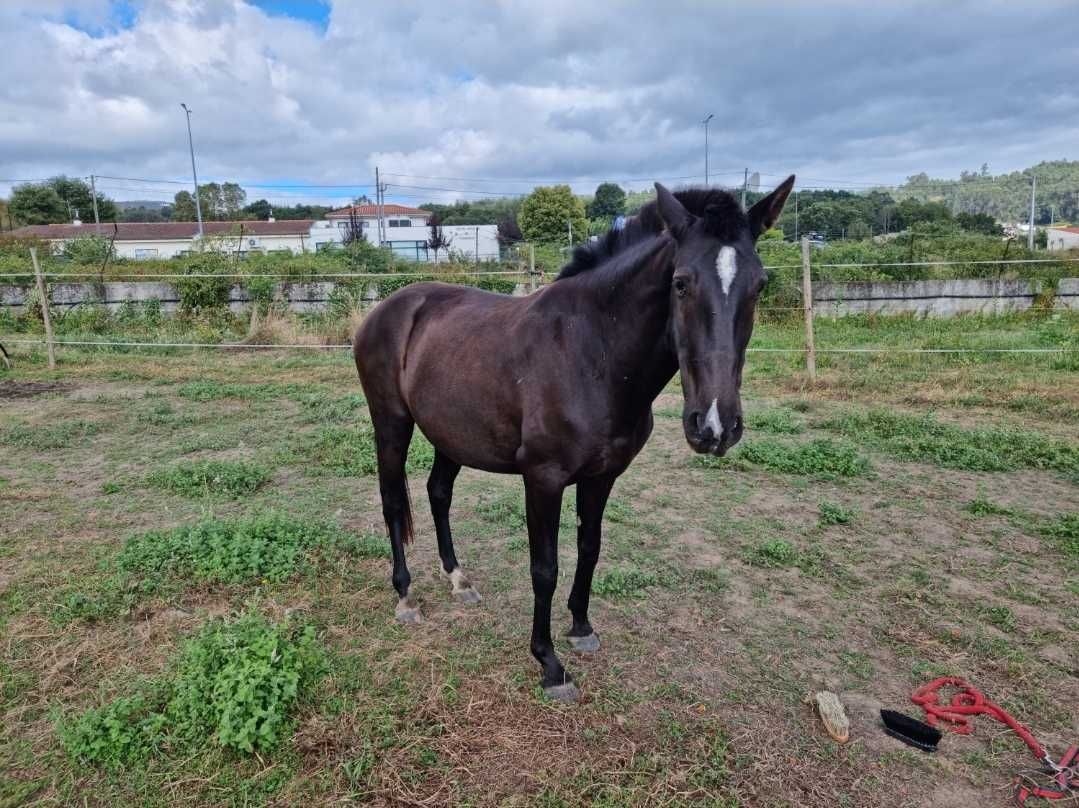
<point>798,194</point>
<point>745,184</point>
<point>93,193</point>
<point>705,122</point>
<point>194,173</point>
<point>477,245</point>
<point>378,207</point>
<point>569,229</point>
<point>1033,190</point>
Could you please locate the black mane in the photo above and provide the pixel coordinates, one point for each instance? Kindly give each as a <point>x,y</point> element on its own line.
<point>723,217</point>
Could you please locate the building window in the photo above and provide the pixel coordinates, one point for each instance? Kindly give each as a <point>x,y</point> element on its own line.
<point>342,224</point>
<point>400,223</point>
<point>143,253</point>
<point>409,250</point>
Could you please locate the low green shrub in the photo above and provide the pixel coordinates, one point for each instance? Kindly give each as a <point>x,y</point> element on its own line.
<point>211,478</point>
<point>350,451</point>
<point>209,390</point>
<point>235,684</point>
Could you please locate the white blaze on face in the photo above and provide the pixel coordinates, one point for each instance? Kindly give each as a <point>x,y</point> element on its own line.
<point>711,420</point>
<point>726,267</point>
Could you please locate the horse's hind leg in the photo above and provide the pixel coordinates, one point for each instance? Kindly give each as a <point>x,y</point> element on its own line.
<point>440,490</point>
<point>392,436</point>
<point>592,496</point>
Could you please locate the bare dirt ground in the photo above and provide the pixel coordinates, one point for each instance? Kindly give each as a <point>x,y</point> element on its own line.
<point>724,596</point>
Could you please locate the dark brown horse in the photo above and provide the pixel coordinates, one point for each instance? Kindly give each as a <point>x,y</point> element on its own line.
<point>558,386</point>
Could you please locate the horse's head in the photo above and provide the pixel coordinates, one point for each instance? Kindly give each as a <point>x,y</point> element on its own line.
<point>717,278</point>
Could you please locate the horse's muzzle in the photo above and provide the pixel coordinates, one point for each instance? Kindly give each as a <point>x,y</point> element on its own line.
<point>703,440</point>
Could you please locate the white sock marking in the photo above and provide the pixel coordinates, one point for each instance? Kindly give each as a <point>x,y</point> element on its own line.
<point>711,420</point>
<point>458,580</point>
<point>726,267</point>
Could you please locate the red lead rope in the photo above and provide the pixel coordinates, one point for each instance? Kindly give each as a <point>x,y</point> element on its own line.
<point>970,701</point>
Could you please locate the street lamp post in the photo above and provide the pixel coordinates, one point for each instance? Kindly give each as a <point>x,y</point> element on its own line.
<point>706,120</point>
<point>194,173</point>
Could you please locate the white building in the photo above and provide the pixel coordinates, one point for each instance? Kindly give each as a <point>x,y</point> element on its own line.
<point>405,231</point>
<point>145,240</point>
<point>1062,238</point>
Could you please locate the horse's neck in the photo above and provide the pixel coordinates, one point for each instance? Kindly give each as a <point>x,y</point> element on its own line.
<point>637,308</point>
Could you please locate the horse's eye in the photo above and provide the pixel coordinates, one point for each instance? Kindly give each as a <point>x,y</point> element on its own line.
<point>680,287</point>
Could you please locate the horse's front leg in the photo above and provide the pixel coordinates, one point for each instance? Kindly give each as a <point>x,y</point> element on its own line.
<point>591,500</point>
<point>543,504</point>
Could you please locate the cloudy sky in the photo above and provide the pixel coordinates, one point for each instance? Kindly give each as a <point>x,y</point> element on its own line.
<point>486,96</point>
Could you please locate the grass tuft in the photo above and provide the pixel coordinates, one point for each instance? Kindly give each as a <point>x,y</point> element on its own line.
<point>350,451</point>
<point>211,478</point>
<point>235,684</point>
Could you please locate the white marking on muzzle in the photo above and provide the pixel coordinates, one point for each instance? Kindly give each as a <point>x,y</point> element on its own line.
<point>726,267</point>
<point>711,420</point>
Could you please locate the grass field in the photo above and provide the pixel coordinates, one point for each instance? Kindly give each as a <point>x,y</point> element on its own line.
<point>195,605</point>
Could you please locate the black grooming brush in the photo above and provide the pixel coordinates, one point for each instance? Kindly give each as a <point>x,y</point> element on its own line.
<point>910,731</point>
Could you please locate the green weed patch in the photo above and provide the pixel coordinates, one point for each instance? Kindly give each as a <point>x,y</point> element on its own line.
<point>213,391</point>
<point>236,685</point>
<point>775,553</point>
<point>48,436</point>
<point>350,451</point>
<point>832,513</point>
<point>980,506</point>
<point>211,478</point>
<point>924,439</point>
<point>818,458</point>
<point>1063,531</point>
<point>623,582</point>
<point>778,421</point>
<point>270,546</point>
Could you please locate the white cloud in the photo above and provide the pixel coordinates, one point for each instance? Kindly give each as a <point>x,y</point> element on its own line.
<point>533,88</point>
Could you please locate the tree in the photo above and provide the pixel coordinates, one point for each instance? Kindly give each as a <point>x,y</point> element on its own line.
<point>77,196</point>
<point>56,200</point>
<point>183,207</point>
<point>609,202</point>
<point>508,231</point>
<point>37,204</point>
<point>548,212</point>
<point>259,209</point>
<point>353,229</point>
<point>979,223</point>
<point>233,198</point>
<point>438,240</point>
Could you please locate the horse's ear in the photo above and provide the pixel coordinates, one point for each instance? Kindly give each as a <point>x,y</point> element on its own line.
<point>671,211</point>
<point>766,212</point>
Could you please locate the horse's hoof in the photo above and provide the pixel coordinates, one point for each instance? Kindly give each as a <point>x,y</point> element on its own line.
<point>407,612</point>
<point>467,595</point>
<point>566,693</point>
<point>585,645</point>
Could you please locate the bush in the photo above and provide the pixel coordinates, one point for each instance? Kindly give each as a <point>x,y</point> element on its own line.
<point>774,553</point>
<point>832,513</point>
<point>88,250</point>
<point>820,458</point>
<point>208,287</point>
